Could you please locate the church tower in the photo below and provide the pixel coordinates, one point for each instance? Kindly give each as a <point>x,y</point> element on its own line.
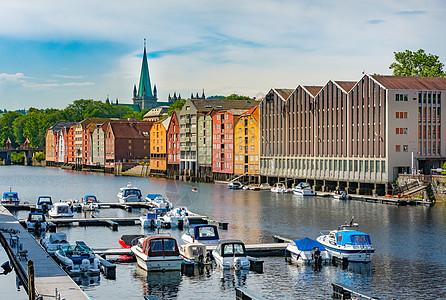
<point>143,96</point>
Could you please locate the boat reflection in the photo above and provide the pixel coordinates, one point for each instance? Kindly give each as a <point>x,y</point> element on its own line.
<point>164,285</point>
<point>231,278</point>
<point>86,280</point>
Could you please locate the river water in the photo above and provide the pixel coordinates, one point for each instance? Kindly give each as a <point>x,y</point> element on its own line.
<point>409,262</point>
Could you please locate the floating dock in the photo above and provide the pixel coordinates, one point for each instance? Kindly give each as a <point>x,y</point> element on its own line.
<point>21,246</point>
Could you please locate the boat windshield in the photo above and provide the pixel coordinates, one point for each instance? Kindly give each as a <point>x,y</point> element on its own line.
<point>233,250</point>
<point>360,240</point>
<point>10,196</point>
<point>132,192</point>
<point>44,200</point>
<point>195,251</point>
<point>91,199</point>
<point>206,232</point>
<point>62,209</point>
<point>36,217</point>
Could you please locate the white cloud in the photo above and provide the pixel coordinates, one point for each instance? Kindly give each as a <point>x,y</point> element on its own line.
<point>15,78</point>
<point>56,84</point>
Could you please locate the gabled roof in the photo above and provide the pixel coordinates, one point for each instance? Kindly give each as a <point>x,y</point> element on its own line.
<point>284,93</point>
<point>410,83</point>
<point>345,85</point>
<point>130,129</point>
<point>87,121</point>
<point>254,112</point>
<point>313,89</point>
<point>61,126</point>
<point>165,122</point>
<point>205,105</point>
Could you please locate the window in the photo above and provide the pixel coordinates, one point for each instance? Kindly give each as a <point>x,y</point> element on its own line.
<point>218,117</point>
<point>252,139</point>
<point>398,148</point>
<point>401,130</point>
<point>226,116</point>
<point>252,148</point>
<point>401,115</point>
<point>252,129</point>
<point>402,97</point>
<point>405,148</point>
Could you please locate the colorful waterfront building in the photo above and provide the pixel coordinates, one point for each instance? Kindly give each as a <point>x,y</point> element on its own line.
<point>247,144</point>
<point>204,144</point>
<point>173,145</point>
<point>223,123</point>
<point>126,142</point>
<point>56,142</point>
<point>82,141</point>
<point>97,143</point>
<point>189,131</point>
<point>158,144</point>
<point>70,145</point>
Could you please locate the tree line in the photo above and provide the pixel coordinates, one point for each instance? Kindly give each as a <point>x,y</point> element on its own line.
<point>33,125</point>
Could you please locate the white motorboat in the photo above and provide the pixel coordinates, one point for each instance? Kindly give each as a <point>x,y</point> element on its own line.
<point>279,187</point>
<point>158,253</point>
<point>203,233</point>
<point>341,195</point>
<point>303,189</point>
<point>55,242</point>
<point>10,197</point>
<point>308,251</point>
<point>60,210</point>
<point>231,254</point>
<point>77,259</point>
<point>90,202</point>
<point>153,219</point>
<point>129,193</point>
<point>36,222</point>
<point>177,218</point>
<point>44,204</point>
<point>158,200</point>
<point>235,185</point>
<point>195,252</point>
<point>348,242</point>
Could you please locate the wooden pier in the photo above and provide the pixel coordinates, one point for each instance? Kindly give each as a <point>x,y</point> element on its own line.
<point>342,291</point>
<point>21,247</point>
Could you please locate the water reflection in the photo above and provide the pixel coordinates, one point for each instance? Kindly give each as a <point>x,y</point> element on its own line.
<point>86,280</point>
<point>164,285</point>
<point>231,278</point>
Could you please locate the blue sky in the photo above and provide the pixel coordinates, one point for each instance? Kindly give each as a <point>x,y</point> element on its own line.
<point>55,52</point>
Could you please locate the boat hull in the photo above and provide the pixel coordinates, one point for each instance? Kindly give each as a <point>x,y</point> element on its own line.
<point>304,192</point>
<point>353,254</point>
<point>157,263</point>
<point>306,257</point>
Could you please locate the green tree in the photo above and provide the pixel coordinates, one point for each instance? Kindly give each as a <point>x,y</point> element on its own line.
<point>418,63</point>
<point>17,157</point>
<point>237,97</point>
<point>39,156</point>
<point>6,130</point>
<point>17,127</point>
<point>177,105</point>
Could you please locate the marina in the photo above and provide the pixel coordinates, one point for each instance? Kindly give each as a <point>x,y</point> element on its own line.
<point>254,218</point>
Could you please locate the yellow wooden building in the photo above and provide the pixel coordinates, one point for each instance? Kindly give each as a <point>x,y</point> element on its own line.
<point>158,146</point>
<point>247,143</point>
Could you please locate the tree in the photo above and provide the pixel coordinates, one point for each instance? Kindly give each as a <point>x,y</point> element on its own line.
<point>237,97</point>
<point>6,130</point>
<point>177,105</point>
<point>418,63</point>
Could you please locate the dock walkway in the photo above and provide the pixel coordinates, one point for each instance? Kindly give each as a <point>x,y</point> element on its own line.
<point>48,275</point>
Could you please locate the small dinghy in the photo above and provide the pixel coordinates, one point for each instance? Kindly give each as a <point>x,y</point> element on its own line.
<point>308,251</point>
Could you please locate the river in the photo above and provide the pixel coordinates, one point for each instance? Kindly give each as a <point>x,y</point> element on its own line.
<point>409,240</point>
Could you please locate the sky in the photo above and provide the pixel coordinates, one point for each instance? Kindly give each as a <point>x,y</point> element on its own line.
<point>53,52</point>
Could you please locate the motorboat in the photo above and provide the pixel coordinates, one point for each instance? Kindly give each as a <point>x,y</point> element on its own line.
<point>303,189</point>
<point>153,219</point>
<point>157,253</point>
<point>308,251</point>
<point>254,187</point>
<point>195,190</point>
<point>177,218</point>
<point>55,242</point>
<point>348,242</point>
<point>90,202</point>
<point>206,234</point>
<point>341,195</point>
<point>195,252</point>
<point>36,222</point>
<point>158,200</point>
<point>129,193</point>
<point>44,204</point>
<point>78,258</point>
<point>61,210</point>
<point>235,185</point>
<point>231,254</point>
<point>11,198</point>
<point>279,187</point>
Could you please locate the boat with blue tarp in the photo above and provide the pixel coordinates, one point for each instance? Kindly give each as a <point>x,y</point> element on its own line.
<point>348,242</point>
<point>308,251</point>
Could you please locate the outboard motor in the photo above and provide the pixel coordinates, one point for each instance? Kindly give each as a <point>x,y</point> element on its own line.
<point>152,224</point>
<point>85,265</point>
<point>316,255</point>
<point>200,259</point>
<point>237,263</point>
<point>180,224</point>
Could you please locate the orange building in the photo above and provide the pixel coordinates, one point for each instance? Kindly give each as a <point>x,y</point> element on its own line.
<point>158,143</point>
<point>70,145</point>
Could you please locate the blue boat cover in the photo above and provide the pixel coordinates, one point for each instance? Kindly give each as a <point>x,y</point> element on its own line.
<point>10,195</point>
<point>352,237</point>
<point>307,244</point>
<point>153,196</point>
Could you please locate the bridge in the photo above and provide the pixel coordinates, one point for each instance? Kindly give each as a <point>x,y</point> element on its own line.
<point>5,152</point>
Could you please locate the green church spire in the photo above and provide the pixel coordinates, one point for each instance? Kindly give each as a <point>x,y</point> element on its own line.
<point>145,89</point>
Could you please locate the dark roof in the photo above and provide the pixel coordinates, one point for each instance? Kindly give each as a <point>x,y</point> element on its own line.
<point>62,125</point>
<point>204,105</point>
<point>411,83</point>
<point>284,93</point>
<point>346,85</point>
<point>313,89</point>
<point>130,129</point>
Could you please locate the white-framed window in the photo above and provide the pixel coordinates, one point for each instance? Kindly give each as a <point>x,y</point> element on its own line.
<point>257,158</point>
<point>252,148</point>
